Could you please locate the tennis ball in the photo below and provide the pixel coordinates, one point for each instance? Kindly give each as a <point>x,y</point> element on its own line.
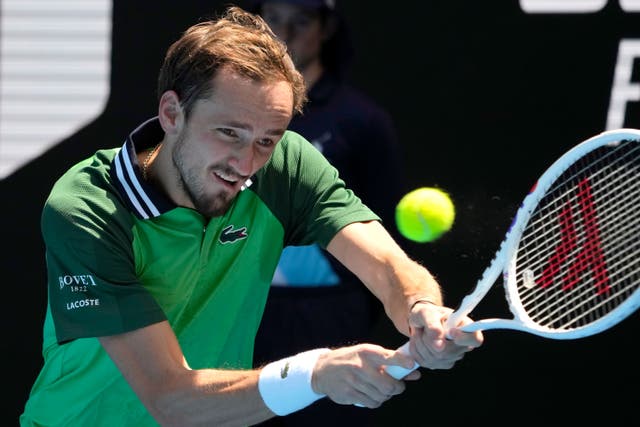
<point>425,214</point>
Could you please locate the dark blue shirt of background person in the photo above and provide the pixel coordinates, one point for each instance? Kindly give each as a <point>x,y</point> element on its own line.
<point>314,301</point>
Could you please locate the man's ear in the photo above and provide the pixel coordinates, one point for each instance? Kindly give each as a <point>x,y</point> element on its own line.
<point>170,112</point>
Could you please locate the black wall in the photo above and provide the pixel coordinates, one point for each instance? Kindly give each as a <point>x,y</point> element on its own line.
<point>484,96</point>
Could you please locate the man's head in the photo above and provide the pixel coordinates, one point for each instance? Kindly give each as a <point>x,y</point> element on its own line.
<point>303,25</point>
<point>239,40</point>
<point>227,93</point>
<point>314,31</point>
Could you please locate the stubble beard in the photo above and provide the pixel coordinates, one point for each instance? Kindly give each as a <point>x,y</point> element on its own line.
<point>189,179</point>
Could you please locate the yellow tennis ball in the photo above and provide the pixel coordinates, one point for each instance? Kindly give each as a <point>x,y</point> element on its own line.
<point>425,214</point>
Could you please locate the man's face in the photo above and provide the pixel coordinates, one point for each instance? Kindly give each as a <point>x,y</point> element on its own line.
<point>300,28</point>
<point>228,138</point>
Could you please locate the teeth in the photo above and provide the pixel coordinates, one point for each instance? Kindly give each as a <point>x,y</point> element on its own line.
<point>229,178</point>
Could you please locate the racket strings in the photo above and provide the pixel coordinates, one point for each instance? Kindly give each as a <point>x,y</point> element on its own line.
<point>624,204</point>
<point>546,230</point>
<point>578,258</point>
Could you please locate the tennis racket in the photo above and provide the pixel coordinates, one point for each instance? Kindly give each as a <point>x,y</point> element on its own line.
<point>570,260</point>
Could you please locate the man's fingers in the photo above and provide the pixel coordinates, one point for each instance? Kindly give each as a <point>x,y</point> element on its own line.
<point>467,339</point>
<point>400,358</point>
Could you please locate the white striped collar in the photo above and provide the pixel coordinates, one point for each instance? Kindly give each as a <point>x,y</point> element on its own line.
<point>142,198</point>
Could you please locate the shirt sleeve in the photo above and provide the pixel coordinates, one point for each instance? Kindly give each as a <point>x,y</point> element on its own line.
<point>307,194</point>
<point>93,288</point>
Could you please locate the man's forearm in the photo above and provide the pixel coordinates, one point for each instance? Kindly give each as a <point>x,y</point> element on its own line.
<point>409,283</point>
<point>398,282</point>
<point>210,397</point>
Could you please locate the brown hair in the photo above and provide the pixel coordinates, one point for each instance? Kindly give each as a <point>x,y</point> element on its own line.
<point>238,39</point>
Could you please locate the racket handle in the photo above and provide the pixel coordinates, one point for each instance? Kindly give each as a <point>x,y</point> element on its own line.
<point>398,372</point>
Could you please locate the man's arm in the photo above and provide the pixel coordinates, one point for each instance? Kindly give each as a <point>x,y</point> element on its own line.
<point>153,364</point>
<point>411,296</point>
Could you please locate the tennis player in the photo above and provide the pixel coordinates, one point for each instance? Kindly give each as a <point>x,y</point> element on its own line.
<point>160,255</point>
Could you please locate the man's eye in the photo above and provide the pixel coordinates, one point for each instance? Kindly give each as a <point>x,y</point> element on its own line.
<point>227,132</point>
<point>265,142</point>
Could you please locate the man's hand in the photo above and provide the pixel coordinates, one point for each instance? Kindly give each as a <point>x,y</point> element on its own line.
<point>430,346</point>
<point>356,375</point>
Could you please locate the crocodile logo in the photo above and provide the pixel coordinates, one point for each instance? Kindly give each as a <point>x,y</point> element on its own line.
<point>231,235</point>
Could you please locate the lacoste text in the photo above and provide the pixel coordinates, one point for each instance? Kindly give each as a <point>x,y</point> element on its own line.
<point>83,303</point>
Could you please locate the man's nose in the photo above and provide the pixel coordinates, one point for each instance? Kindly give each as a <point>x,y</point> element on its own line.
<point>242,160</point>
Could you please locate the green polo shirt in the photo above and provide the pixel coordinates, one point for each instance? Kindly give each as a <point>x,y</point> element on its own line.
<point>121,256</point>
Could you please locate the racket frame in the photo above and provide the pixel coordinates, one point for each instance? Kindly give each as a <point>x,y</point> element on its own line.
<point>504,263</point>
<point>504,260</point>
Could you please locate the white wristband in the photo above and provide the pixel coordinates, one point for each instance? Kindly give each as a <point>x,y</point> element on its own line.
<point>285,385</point>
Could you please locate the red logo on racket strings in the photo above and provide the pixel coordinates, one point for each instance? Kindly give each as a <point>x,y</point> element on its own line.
<point>589,257</point>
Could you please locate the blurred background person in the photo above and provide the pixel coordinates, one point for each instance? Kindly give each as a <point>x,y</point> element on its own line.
<point>313,300</point>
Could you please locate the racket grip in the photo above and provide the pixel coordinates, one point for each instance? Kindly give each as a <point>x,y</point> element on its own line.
<point>399,372</point>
